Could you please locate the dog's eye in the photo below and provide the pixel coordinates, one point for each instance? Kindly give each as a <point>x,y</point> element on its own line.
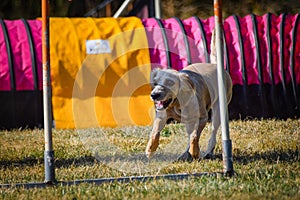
<point>169,82</point>
<point>153,85</point>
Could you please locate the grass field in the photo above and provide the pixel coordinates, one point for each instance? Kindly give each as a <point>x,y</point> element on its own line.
<point>266,162</point>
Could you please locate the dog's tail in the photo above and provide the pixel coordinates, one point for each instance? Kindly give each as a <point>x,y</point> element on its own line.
<point>213,48</point>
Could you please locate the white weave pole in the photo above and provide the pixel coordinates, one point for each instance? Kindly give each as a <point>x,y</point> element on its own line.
<point>48,153</point>
<point>157,9</point>
<point>121,9</point>
<point>226,142</point>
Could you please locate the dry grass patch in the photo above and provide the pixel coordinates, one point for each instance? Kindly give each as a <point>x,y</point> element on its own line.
<point>266,161</point>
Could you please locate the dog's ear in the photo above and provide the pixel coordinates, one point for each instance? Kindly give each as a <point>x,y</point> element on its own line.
<point>185,82</point>
<point>153,74</point>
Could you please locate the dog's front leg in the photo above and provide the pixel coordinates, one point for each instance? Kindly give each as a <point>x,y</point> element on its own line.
<point>158,125</point>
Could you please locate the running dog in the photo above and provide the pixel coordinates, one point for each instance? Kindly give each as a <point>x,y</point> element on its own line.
<point>187,96</point>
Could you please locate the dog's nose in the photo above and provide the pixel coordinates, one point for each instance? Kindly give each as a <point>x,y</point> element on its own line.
<point>154,95</point>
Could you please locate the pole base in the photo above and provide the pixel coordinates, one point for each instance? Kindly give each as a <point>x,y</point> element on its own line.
<point>49,167</point>
<point>227,158</point>
<point>228,173</point>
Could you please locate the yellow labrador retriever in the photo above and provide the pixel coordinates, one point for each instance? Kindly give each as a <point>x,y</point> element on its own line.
<point>187,96</point>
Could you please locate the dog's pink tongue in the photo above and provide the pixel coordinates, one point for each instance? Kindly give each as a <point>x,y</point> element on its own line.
<point>159,105</point>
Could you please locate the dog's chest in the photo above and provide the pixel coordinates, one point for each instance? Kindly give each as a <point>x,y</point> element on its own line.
<point>174,111</point>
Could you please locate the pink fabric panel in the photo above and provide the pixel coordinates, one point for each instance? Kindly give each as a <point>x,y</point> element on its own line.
<point>275,40</point>
<point>21,54</point>
<point>208,26</point>
<point>262,26</point>
<point>289,19</point>
<point>4,68</point>
<point>194,39</point>
<point>175,38</point>
<point>234,53</point>
<point>178,53</point>
<point>249,49</point>
<point>297,54</point>
<point>157,48</point>
<point>36,30</point>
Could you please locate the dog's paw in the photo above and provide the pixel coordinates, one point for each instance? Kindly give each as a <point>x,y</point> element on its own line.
<point>185,157</point>
<point>152,145</point>
<point>208,156</point>
<point>149,154</point>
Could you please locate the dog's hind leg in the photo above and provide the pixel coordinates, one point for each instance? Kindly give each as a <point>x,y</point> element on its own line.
<point>213,137</point>
<point>194,137</point>
<point>194,130</point>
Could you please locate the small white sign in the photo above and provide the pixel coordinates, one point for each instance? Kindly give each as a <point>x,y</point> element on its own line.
<point>97,46</point>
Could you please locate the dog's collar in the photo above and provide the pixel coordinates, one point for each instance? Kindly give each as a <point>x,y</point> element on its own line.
<point>183,71</point>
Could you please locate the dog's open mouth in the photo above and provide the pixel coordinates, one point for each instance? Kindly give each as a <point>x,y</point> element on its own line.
<point>160,105</point>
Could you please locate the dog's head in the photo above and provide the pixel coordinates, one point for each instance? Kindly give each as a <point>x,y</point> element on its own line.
<point>165,85</point>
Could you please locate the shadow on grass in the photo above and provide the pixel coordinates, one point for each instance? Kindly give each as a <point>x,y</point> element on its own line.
<point>59,163</point>
<point>269,156</point>
<point>244,159</point>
